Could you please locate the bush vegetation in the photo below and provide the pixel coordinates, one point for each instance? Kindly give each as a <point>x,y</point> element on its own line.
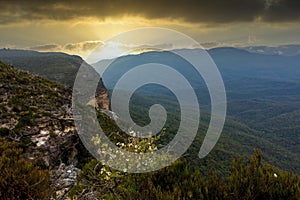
<point>247,180</point>
<point>19,178</point>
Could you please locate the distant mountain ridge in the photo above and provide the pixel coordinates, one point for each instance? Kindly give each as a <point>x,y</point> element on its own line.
<point>262,90</point>
<point>229,60</point>
<point>55,66</point>
<point>285,50</point>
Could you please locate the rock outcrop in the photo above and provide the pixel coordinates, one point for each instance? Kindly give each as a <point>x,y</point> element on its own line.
<point>63,177</point>
<point>37,113</point>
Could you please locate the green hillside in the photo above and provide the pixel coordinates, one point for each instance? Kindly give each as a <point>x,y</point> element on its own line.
<point>39,146</point>
<point>237,139</point>
<point>59,67</point>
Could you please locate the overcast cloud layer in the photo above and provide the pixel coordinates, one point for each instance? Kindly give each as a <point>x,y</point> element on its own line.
<point>195,11</point>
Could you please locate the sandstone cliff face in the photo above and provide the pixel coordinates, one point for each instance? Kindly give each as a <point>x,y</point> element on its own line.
<point>102,100</point>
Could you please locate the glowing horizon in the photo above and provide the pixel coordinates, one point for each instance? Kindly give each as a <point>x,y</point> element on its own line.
<point>79,27</point>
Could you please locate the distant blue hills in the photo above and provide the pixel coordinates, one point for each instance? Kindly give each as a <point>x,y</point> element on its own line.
<point>263,90</point>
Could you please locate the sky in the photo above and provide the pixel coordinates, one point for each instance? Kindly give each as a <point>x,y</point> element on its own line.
<point>77,27</point>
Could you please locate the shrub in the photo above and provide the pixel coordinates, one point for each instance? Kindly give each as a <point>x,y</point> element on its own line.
<point>21,179</point>
<point>247,180</point>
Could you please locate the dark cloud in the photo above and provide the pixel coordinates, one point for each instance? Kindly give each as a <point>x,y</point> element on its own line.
<point>87,46</point>
<point>70,47</point>
<point>207,11</point>
<point>282,10</point>
<point>158,46</point>
<point>82,46</point>
<point>47,47</point>
<point>209,45</point>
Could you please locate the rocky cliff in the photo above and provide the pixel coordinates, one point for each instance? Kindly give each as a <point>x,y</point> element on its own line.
<point>36,113</point>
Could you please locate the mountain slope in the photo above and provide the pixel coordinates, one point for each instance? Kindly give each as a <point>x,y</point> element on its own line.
<point>36,113</point>
<point>58,67</point>
<point>261,90</point>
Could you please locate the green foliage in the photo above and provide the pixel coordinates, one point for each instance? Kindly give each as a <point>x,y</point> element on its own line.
<point>247,180</point>
<point>110,128</point>
<point>274,132</point>
<point>21,179</point>
<point>259,181</point>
